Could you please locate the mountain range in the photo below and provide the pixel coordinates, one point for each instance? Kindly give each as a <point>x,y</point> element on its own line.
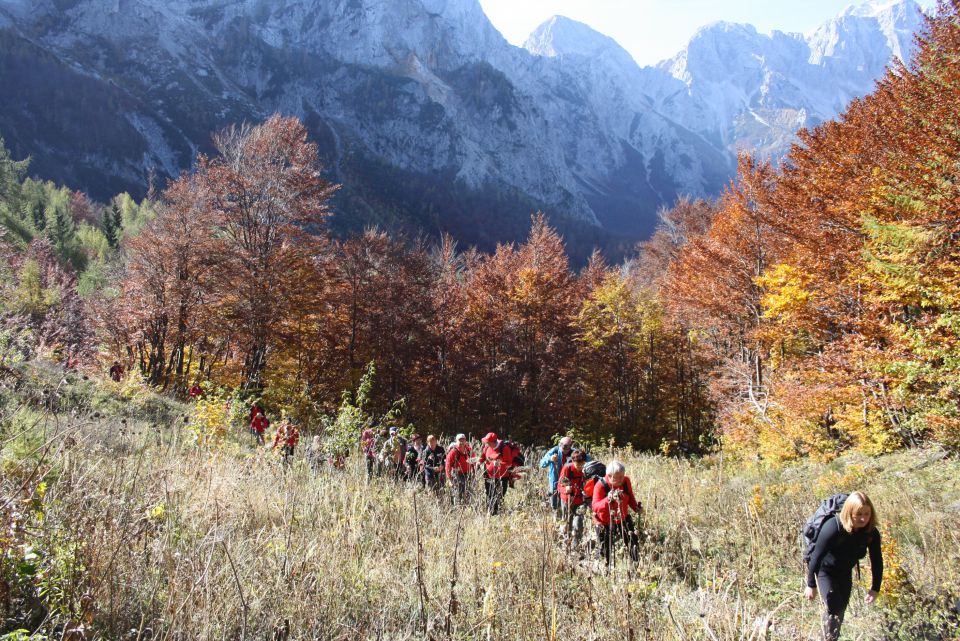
<point>429,119</point>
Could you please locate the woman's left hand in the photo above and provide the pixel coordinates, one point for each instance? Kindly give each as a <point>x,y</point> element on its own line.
<point>871,597</point>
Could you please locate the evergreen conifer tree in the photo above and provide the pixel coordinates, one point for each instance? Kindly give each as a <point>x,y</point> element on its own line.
<point>61,228</point>
<point>113,225</point>
<point>39,216</point>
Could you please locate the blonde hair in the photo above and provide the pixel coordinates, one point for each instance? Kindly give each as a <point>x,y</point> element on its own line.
<point>854,503</point>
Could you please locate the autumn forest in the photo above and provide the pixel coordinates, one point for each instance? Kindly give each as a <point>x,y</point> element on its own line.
<point>813,308</point>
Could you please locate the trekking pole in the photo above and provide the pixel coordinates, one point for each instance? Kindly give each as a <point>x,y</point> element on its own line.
<point>609,549</point>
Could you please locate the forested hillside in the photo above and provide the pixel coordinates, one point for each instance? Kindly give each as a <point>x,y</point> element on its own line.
<point>812,309</point>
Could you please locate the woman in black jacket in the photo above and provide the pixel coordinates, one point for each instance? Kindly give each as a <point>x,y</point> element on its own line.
<point>842,542</point>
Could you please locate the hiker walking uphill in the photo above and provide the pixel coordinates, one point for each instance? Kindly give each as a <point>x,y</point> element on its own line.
<point>433,459</point>
<point>393,454</point>
<point>612,500</point>
<point>841,532</point>
<point>554,460</point>
<point>458,466</point>
<point>412,459</point>
<point>497,459</point>
<point>370,446</point>
<point>286,438</point>
<point>259,423</point>
<point>570,486</point>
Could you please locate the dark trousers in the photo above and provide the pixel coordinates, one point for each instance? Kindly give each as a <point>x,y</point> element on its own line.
<point>555,504</point>
<point>572,522</point>
<point>432,479</point>
<point>458,488</point>
<point>835,591</point>
<point>496,489</point>
<point>608,535</point>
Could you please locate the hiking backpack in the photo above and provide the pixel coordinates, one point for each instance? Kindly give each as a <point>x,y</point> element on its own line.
<point>829,507</point>
<point>518,458</point>
<point>594,470</point>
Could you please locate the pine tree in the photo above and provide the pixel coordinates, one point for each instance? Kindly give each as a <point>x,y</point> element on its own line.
<point>61,229</point>
<point>11,173</point>
<point>112,225</point>
<point>39,216</point>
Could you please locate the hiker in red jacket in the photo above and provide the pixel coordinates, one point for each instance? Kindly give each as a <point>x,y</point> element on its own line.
<point>458,467</point>
<point>287,437</point>
<point>570,486</point>
<point>612,499</point>
<point>195,391</point>
<point>259,423</point>
<point>497,460</point>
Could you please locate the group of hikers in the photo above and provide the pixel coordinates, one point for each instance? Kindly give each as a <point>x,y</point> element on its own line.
<point>500,462</point>
<point>840,533</point>
<point>286,437</point>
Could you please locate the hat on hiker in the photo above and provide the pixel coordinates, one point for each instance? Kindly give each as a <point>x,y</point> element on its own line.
<point>461,437</point>
<point>393,430</point>
<point>489,438</point>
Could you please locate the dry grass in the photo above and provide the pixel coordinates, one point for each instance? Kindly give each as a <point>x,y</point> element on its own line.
<point>138,534</point>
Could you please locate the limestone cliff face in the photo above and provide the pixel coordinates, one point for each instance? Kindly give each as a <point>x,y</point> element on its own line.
<point>429,118</point>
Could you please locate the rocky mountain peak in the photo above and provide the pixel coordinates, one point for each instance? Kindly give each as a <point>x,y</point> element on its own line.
<point>852,36</point>
<point>561,36</point>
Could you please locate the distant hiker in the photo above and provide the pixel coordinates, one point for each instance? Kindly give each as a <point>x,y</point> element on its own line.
<point>116,371</point>
<point>255,409</point>
<point>554,460</point>
<point>370,446</point>
<point>315,455</point>
<point>612,499</point>
<point>433,458</point>
<point>570,486</point>
<point>458,466</point>
<point>287,438</point>
<point>258,425</point>
<point>842,540</point>
<point>496,457</point>
<point>195,391</point>
<point>412,461</point>
<point>392,454</point>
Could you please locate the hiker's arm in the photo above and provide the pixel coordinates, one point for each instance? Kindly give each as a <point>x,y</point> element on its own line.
<point>876,563</point>
<point>828,533</point>
<point>545,461</point>
<point>600,501</point>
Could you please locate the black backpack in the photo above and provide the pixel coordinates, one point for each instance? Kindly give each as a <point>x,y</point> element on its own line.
<point>594,470</point>
<point>829,508</point>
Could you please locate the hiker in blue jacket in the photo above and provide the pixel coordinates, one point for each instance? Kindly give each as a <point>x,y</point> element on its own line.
<point>554,460</point>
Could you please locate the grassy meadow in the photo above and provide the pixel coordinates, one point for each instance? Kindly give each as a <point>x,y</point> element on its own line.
<point>116,525</point>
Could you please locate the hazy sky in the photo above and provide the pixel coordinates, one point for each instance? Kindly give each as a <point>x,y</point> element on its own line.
<point>652,30</point>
